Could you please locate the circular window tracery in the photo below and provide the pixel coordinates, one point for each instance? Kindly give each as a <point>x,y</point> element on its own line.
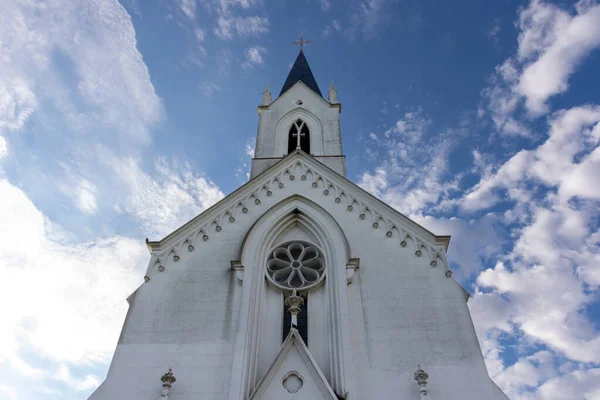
<point>295,265</point>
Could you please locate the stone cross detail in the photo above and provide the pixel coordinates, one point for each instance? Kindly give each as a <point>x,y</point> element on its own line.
<point>301,42</point>
<point>298,135</point>
<point>168,380</point>
<point>294,302</point>
<point>421,378</point>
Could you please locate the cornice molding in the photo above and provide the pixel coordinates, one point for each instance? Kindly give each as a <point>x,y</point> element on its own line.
<point>355,200</point>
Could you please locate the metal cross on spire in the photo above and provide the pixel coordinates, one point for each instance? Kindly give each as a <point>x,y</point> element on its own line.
<point>301,42</point>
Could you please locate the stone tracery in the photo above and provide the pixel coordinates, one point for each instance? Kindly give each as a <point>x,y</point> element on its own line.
<point>295,265</point>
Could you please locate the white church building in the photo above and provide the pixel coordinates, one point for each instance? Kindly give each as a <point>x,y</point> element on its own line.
<point>299,285</point>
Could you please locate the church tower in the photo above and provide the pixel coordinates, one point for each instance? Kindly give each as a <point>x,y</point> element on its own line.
<point>299,109</point>
<point>299,285</point>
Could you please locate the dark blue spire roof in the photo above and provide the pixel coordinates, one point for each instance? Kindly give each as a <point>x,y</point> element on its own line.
<point>301,72</point>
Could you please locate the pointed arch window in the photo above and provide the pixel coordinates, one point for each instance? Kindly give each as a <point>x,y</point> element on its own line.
<point>296,266</point>
<point>299,134</point>
<point>302,321</point>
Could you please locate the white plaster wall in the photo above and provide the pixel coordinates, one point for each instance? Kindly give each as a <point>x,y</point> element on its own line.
<point>398,312</point>
<point>185,318</point>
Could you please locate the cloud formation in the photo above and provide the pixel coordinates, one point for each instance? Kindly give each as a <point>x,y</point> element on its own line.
<point>552,42</point>
<point>410,175</point>
<point>254,57</point>
<point>79,289</point>
<point>525,233</point>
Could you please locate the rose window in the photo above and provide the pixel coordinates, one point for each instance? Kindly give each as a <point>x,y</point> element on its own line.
<point>296,265</point>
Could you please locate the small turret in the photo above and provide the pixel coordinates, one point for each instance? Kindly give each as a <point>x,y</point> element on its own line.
<point>332,94</point>
<point>266,96</point>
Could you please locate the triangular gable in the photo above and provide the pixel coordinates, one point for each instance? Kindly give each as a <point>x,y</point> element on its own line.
<point>294,372</point>
<point>318,176</point>
<point>308,90</point>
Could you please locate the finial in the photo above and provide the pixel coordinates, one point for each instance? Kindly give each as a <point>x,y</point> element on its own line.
<point>168,380</point>
<point>294,302</point>
<point>301,42</point>
<point>332,94</point>
<point>421,378</point>
<point>266,96</point>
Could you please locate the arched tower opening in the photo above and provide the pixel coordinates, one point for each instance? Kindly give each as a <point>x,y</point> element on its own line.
<point>299,137</point>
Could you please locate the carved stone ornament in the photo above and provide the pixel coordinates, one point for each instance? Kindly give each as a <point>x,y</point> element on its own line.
<point>168,380</point>
<point>238,268</point>
<point>295,265</point>
<point>421,378</point>
<point>294,302</point>
<point>292,383</point>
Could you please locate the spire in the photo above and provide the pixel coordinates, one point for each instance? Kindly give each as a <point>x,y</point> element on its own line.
<point>301,72</point>
<point>266,96</point>
<point>332,94</point>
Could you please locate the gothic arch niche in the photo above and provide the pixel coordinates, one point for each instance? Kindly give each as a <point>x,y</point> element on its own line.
<point>260,338</point>
<point>313,124</point>
<point>299,137</point>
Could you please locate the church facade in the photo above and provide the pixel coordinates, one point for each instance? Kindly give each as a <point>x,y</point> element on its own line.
<point>299,285</point>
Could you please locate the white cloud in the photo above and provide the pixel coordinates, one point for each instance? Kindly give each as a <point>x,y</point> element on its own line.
<point>163,202</point>
<point>79,287</point>
<point>27,370</point>
<point>409,174</point>
<point>555,252</point>
<point>583,384</point>
<point>552,43</point>
<point>8,392</point>
<point>479,240</point>
<point>254,57</point>
<point>107,72</point>
<point>64,375</point>
<point>554,238</point>
<point>556,43</point>
<point>335,26</point>
<point>325,5</point>
<point>249,148</point>
<point>226,5</point>
<point>3,148</point>
<point>368,18</point>
<point>188,7</point>
<point>86,197</point>
<point>537,294</point>
<point>80,190</point>
<point>494,31</point>
<point>17,101</point>
<point>227,26</point>
<point>243,171</point>
<point>565,160</point>
<point>224,59</point>
<point>199,35</point>
<point>209,88</point>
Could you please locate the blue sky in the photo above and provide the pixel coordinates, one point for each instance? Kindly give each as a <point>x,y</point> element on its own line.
<point>479,119</point>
